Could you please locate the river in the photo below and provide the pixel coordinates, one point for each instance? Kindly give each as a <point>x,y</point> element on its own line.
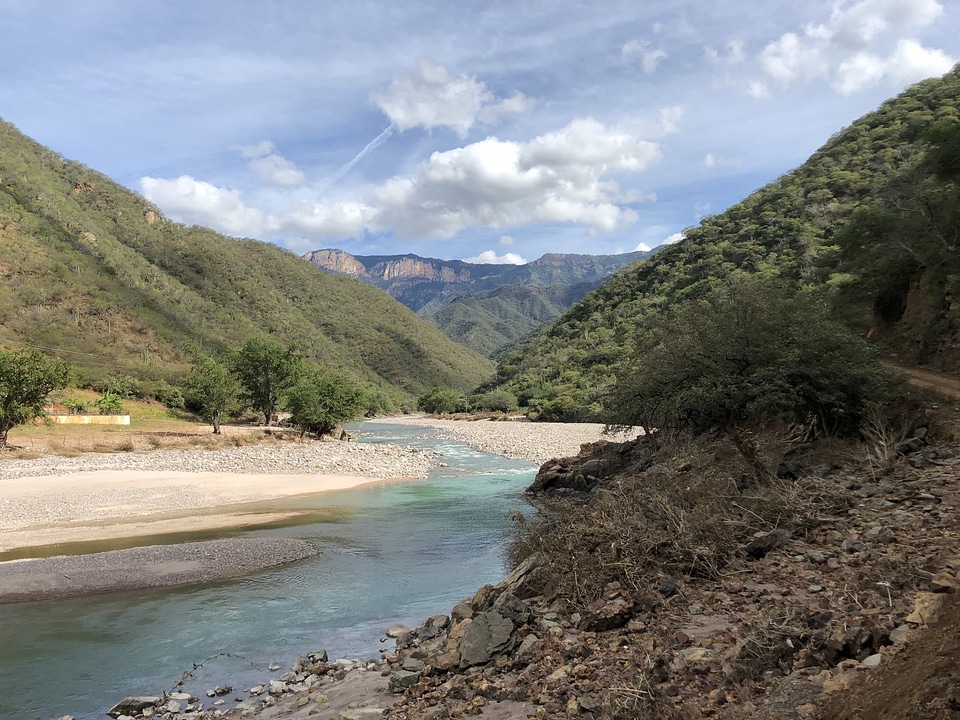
<point>397,553</point>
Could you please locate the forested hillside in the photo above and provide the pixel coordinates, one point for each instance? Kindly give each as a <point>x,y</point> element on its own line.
<point>870,221</point>
<point>94,273</point>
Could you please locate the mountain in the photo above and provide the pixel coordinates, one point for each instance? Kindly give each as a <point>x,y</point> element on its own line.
<point>93,272</point>
<point>490,320</point>
<point>485,320</point>
<point>868,220</point>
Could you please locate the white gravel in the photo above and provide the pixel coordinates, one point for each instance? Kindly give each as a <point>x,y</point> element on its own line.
<point>311,458</point>
<point>537,442</point>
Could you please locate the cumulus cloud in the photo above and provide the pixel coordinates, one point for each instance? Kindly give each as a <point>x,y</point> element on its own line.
<point>673,239</point>
<point>201,203</point>
<point>642,247</point>
<point>564,176</point>
<point>272,167</point>
<point>432,97</point>
<point>732,54</point>
<point>642,52</point>
<point>506,240</point>
<point>860,45</point>
<point>489,257</point>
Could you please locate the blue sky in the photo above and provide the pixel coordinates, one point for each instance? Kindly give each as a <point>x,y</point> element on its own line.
<point>464,130</point>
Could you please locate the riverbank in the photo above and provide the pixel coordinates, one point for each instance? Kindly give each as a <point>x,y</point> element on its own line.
<point>519,440</point>
<point>52,499</point>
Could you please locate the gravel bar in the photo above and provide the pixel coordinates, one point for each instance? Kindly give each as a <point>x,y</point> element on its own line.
<point>146,567</point>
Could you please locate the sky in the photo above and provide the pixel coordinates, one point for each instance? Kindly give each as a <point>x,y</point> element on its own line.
<point>484,131</point>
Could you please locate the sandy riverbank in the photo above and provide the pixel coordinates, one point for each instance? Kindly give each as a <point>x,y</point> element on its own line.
<point>536,442</point>
<point>51,499</point>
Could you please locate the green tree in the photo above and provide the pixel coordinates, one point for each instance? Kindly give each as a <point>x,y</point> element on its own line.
<point>750,350</point>
<point>441,400</point>
<point>266,369</point>
<point>109,404</point>
<point>321,401</point>
<point>211,391</point>
<point>26,378</point>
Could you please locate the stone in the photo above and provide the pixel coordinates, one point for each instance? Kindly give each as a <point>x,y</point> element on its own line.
<point>401,680</point>
<point>363,713</point>
<point>527,645</point>
<point>668,586</point>
<point>277,687</point>
<point>512,607</point>
<point>488,635</point>
<point>926,607</point>
<point>872,661</point>
<point>273,667</point>
<point>944,583</point>
<point>763,543</point>
<point>133,705</point>
<point>899,634</point>
<point>613,610</point>
<point>396,630</point>
<point>462,611</point>
<point>412,664</point>
<point>838,683</point>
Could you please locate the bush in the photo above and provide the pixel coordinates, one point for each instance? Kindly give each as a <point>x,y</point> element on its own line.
<point>169,395</point>
<point>321,402</point>
<point>497,401</point>
<point>442,401</point>
<point>76,406</point>
<point>123,386</point>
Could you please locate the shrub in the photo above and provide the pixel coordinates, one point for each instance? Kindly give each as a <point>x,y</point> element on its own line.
<point>76,406</point>
<point>109,404</point>
<point>442,401</point>
<point>497,401</point>
<point>123,386</point>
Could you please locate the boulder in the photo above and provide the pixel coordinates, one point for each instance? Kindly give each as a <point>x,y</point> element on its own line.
<point>401,680</point>
<point>133,705</point>
<point>513,608</point>
<point>395,631</point>
<point>488,635</point>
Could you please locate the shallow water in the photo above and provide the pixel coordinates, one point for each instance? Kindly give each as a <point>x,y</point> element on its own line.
<point>397,553</point>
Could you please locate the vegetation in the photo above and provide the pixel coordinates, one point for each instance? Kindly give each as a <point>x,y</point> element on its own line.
<point>95,272</point>
<point>321,401</point>
<point>750,351</point>
<point>109,404</point>
<point>839,224</point>
<point>442,401</point>
<point>211,391</point>
<point>266,369</point>
<point>26,378</point>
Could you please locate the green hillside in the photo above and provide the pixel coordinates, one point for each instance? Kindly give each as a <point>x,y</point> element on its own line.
<point>893,271</point>
<point>94,273</point>
<point>488,320</point>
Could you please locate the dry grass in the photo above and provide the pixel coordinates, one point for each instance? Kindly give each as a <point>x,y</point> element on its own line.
<point>689,514</point>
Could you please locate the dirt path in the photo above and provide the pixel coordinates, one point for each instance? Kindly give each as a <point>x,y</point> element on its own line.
<point>942,383</point>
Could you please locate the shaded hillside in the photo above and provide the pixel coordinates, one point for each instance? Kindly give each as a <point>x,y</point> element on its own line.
<point>489,320</point>
<point>93,272</point>
<point>793,227</point>
<point>426,285</point>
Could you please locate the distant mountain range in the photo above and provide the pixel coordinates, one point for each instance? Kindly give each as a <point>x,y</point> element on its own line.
<point>483,306</point>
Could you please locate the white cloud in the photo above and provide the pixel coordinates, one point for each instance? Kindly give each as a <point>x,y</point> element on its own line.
<point>558,177</point>
<point>201,203</point>
<point>272,167</point>
<point>709,161</point>
<point>432,97</point>
<point>734,54</point>
<point>641,51</point>
<point>489,257</point>
<point>854,48</point>
<point>642,247</point>
<point>758,89</point>
<point>672,239</point>
<point>506,240</point>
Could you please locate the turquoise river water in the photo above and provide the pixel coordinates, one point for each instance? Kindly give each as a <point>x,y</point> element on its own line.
<point>397,553</point>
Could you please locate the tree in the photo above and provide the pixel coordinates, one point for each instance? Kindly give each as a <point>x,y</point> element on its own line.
<point>265,370</point>
<point>211,391</point>
<point>441,400</point>
<point>321,401</point>
<point>109,403</point>
<point>26,378</point>
<point>750,350</point>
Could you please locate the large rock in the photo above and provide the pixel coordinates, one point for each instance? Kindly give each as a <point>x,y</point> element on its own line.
<point>402,679</point>
<point>133,705</point>
<point>488,635</point>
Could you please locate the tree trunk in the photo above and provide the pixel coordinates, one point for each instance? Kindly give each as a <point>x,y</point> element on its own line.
<point>4,429</point>
<point>266,416</point>
<point>216,423</point>
<point>748,448</point>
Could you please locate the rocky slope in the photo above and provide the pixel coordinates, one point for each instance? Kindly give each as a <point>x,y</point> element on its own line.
<point>846,606</point>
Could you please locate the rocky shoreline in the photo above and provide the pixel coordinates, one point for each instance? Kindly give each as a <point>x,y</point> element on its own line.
<point>516,439</point>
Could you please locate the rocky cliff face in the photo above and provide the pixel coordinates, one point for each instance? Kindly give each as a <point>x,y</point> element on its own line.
<point>336,261</point>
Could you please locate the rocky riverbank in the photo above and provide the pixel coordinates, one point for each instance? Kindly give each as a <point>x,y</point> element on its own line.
<point>516,439</point>
<point>378,460</point>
